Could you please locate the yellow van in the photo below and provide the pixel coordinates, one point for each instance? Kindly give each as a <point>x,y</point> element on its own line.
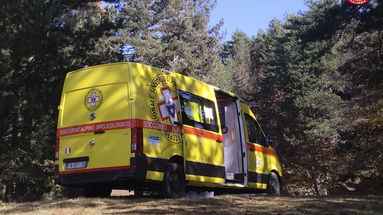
<point>132,126</point>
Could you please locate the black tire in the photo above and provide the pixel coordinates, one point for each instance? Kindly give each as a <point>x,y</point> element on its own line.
<point>173,185</point>
<point>274,187</point>
<point>102,191</point>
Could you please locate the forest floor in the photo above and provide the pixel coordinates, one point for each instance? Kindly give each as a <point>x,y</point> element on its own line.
<point>223,204</point>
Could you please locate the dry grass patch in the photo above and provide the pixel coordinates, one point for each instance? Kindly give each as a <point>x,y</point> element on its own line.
<point>226,204</point>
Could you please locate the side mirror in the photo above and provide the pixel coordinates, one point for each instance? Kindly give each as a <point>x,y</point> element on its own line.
<point>224,130</point>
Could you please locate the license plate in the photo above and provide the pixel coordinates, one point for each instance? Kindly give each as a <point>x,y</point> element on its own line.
<point>76,165</point>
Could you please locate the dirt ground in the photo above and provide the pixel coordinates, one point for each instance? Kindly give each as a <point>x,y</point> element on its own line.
<point>224,204</point>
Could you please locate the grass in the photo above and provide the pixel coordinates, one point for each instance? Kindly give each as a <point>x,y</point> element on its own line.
<point>225,204</point>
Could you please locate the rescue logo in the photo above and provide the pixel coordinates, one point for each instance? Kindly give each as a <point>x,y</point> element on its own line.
<point>358,1</point>
<point>93,99</point>
<point>167,107</point>
<point>163,105</point>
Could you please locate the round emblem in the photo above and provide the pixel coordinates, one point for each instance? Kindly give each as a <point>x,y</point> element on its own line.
<point>93,99</point>
<point>358,1</point>
<point>163,104</point>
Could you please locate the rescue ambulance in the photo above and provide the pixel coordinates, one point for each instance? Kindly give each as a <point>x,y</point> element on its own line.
<point>135,127</point>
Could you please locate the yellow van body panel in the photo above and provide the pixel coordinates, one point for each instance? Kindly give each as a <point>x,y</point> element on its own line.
<point>154,175</point>
<point>112,83</point>
<point>261,186</point>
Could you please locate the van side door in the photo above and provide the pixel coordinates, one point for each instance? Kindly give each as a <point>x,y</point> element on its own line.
<point>202,139</point>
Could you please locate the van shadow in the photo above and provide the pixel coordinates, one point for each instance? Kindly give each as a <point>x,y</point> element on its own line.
<point>225,204</point>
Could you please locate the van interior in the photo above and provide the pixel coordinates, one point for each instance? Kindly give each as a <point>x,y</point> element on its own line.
<point>234,155</point>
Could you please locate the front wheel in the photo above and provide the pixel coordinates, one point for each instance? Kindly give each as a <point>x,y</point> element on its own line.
<point>173,185</point>
<point>274,187</point>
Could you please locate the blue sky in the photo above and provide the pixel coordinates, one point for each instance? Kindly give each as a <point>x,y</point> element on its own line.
<point>250,16</point>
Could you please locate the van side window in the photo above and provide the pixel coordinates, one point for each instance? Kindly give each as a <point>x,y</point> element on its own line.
<point>198,112</point>
<point>252,130</point>
<point>262,138</point>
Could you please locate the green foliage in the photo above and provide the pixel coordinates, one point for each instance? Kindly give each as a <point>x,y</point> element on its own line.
<point>172,35</point>
<point>318,90</point>
<point>238,62</point>
<point>314,80</point>
<point>43,40</point>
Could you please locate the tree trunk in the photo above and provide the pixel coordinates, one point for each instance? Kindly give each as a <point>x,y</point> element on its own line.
<point>316,187</point>
<point>9,189</point>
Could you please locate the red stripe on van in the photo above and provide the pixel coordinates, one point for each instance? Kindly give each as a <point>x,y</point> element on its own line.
<point>101,126</point>
<point>155,125</point>
<point>202,133</point>
<point>96,169</point>
<point>257,148</point>
<point>117,124</point>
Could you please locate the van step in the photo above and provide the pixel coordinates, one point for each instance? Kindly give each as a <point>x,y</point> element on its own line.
<point>234,176</point>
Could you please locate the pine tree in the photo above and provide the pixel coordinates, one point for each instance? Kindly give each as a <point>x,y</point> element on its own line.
<point>297,98</point>
<point>41,42</point>
<point>306,97</point>
<point>239,62</point>
<point>172,35</point>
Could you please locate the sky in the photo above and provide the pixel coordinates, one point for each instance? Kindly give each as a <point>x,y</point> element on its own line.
<point>250,16</point>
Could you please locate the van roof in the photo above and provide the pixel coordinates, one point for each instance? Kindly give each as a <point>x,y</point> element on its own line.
<point>164,70</point>
<point>102,65</point>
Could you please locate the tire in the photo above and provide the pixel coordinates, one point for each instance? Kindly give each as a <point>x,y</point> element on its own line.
<point>173,185</point>
<point>274,186</point>
<point>101,191</point>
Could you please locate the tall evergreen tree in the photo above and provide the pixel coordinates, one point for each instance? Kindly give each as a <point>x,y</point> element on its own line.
<point>239,63</point>
<point>172,35</point>
<point>305,93</point>
<point>361,63</point>
<point>41,41</point>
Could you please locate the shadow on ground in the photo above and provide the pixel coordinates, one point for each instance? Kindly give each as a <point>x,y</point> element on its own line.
<point>226,204</point>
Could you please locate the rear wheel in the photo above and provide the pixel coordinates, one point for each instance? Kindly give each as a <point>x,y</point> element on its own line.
<point>173,185</point>
<point>274,187</point>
